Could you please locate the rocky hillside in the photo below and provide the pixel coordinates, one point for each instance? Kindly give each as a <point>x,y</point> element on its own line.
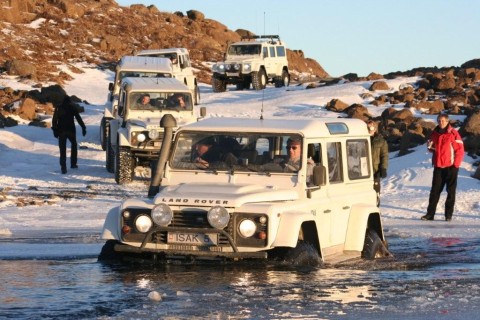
<point>40,35</point>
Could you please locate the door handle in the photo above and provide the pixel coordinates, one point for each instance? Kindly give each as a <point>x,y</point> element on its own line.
<point>327,211</point>
<point>346,207</point>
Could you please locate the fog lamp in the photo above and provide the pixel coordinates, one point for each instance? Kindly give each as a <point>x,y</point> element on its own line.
<point>162,215</point>
<point>218,217</point>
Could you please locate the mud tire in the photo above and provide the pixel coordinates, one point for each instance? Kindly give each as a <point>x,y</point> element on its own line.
<point>374,247</point>
<point>218,85</point>
<point>283,80</point>
<point>304,254</point>
<point>109,156</point>
<point>107,254</point>
<point>259,79</point>
<point>124,165</point>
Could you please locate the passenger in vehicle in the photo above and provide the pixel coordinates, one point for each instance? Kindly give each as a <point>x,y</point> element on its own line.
<point>205,153</point>
<point>177,100</point>
<point>143,102</point>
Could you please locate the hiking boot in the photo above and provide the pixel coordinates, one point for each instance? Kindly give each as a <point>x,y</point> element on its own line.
<point>448,219</point>
<point>427,218</point>
<point>74,166</point>
<point>64,170</point>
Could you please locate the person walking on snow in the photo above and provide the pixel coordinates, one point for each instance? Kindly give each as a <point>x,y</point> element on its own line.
<point>379,157</point>
<point>446,144</point>
<point>63,126</point>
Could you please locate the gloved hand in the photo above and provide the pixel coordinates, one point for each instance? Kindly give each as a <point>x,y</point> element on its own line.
<point>84,131</point>
<point>383,173</point>
<point>55,132</point>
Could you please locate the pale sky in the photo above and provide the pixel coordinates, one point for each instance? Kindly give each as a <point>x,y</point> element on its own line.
<point>359,36</point>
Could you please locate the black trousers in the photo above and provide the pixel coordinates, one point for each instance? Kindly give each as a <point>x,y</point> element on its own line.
<point>443,177</point>
<point>62,144</point>
<point>376,187</point>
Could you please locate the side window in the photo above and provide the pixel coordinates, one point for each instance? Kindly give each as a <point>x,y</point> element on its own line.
<point>358,159</point>
<point>280,51</point>
<point>334,155</point>
<point>265,52</point>
<point>314,152</point>
<point>272,52</point>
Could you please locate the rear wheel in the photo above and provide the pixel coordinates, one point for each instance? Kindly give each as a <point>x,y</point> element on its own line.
<point>374,246</point>
<point>218,85</point>
<point>283,80</point>
<point>124,165</point>
<point>259,79</point>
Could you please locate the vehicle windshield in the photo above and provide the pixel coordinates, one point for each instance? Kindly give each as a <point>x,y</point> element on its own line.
<point>239,152</point>
<point>241,50</point>
<point>141,74</point>
<point>178,101</point>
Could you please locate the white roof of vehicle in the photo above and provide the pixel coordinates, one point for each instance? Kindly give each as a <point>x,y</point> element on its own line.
<point>310,128</point>
<point>141,63</point>
<point>160,51</point>
<point>155,84</point>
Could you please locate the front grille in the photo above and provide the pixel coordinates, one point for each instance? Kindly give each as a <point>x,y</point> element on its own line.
<point>189,218</point>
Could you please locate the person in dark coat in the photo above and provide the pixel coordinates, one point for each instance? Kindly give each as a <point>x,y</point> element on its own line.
<point>379,156</point>
<point>63,126</point>
<point>446,144</point>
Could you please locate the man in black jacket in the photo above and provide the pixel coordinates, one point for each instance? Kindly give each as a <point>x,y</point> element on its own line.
<point>63,126</point>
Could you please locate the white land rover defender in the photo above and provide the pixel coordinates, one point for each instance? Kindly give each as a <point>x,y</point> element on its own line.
<point>182,67</point>
<point>135,135</point>
<point>255,60</point>
<point>243,199</point>
<point>130,66</point>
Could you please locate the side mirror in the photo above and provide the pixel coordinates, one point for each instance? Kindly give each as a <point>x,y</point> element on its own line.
<point>203,112</point>
<point>319,175</point>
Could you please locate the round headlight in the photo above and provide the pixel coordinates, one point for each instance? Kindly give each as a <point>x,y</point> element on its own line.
<point>141,137</point>
<point>153,134</point>
<point>143,223</point>
<point>246,67</point>
<point>236,66</point>
<point>218,217</point>
<point>247,228</point>
<point>162,215</point>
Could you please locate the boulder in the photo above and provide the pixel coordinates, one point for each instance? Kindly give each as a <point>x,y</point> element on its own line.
<point>379,85</point>
<point>336,105</point>
<point>195,15</point>
<point>21,68</point>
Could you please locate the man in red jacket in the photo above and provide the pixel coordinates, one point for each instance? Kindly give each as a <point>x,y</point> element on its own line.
<point>447,147</point>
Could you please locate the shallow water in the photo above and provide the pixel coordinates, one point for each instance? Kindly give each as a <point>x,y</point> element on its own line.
<point>427,279</point>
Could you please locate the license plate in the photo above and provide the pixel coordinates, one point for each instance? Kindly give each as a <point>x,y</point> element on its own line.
<point>232,74</point>
<point>201,239</point>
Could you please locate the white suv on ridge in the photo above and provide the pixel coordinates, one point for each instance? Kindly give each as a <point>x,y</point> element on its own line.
<point>255,60</point>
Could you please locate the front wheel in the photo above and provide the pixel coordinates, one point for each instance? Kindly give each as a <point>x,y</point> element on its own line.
<point>374,247</point>
<point>218,85</point>
<point>109,156</point>
<point>103,133</point>
<point>304,254</point>
<point>259,80</point>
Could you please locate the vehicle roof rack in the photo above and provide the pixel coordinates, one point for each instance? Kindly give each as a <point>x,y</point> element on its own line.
<point>271,37</point>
